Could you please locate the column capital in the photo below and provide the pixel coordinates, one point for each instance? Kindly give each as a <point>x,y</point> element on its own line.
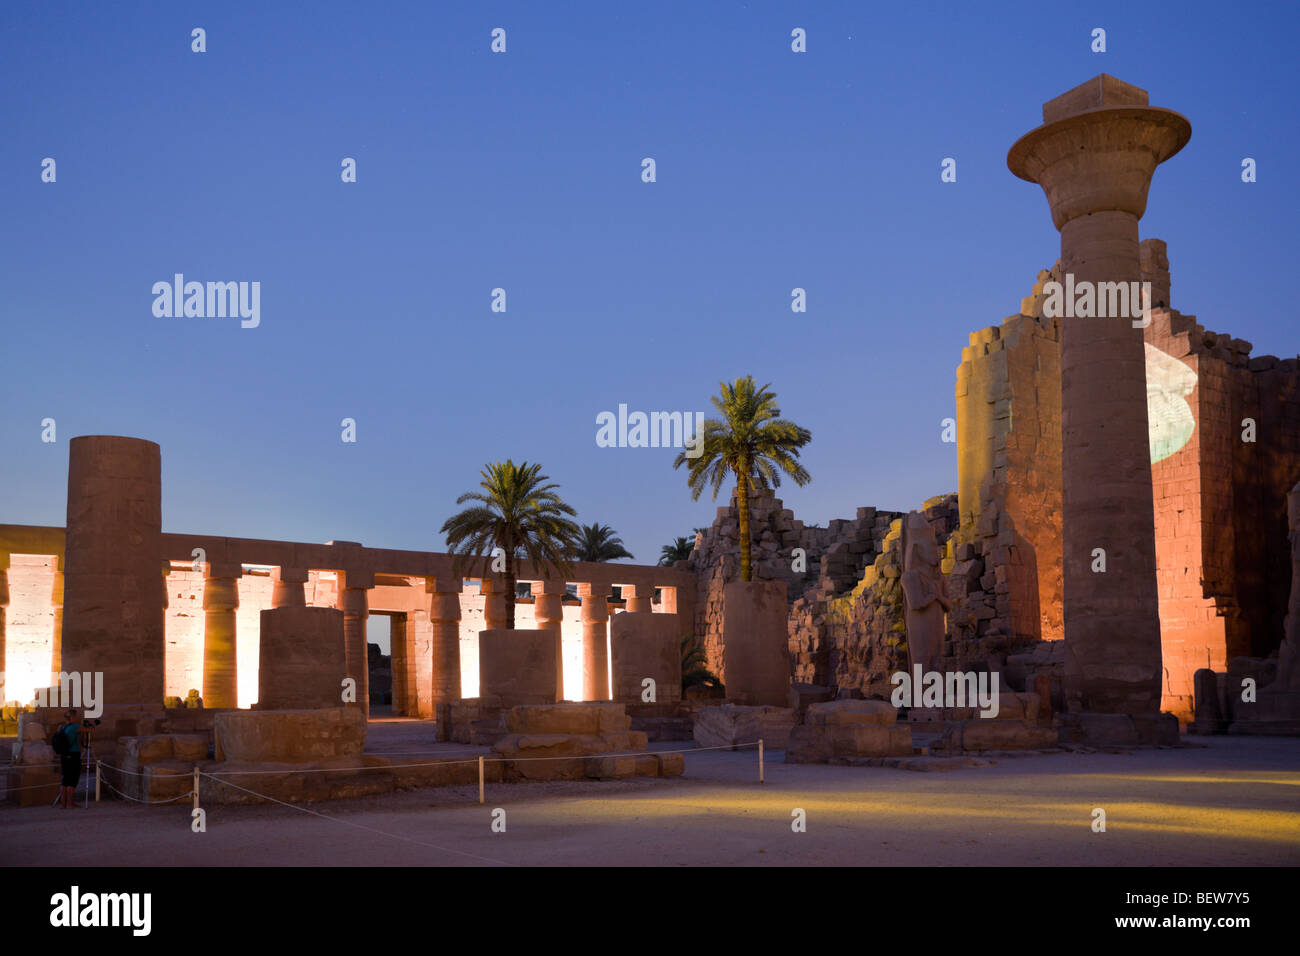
<point>285,575</point>
<point>1098,148</point>
<point>222,569</point>
<point>356,580</point>
<point>220,593</point>
<point>443,585</point>
<point>548,587</point>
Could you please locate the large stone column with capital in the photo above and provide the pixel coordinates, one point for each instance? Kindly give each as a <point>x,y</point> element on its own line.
<point>638,597</point>
<point>354,602</point>
<point>494,604</point>
<point>220,667</point>
<point>56,637</point>
<point>287,587</point>
<point>444,616</point>
<point>548,613</point>
<point>113,599</point>
<point>1094,156</point>
<point>595,641</point>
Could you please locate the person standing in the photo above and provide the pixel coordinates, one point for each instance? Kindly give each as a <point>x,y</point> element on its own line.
<point>70,755</point>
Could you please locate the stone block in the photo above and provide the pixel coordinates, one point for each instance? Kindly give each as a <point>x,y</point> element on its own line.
<point>647,766</point>
<point>756,661</point>
<point>1011,734</point>
<point>594,718</point>
<point>516,666</point>
<point>302,659</point>
<point>671,765</point>
<point>611,768</point>
<point>849,712</point>
<point>33,786</point>
<point>730,725</point>
<point>819,743</point>
<point>645,645</point>
<point>802,695</point>
<point>1108,730</point>
<point>290,736</point>
<point>1156,730</point>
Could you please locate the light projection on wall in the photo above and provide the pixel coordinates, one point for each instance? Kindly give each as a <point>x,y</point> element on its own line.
<point>1169,417</point>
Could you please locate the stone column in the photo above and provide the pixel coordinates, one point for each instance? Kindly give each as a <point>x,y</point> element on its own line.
<point>669,600</point>
<point>638,597</point>
<point>548,613</point>
<point>444,617</point>
<point>287,587</point>
<point>56,637</point>
<point>420,635</point>
<point>1094,157</point>
<point>220,665</point>
<point>398,637</point>
<point>595,642</point>
<point>494,605</point>
<point>113,619</point>
<point>354,602</point>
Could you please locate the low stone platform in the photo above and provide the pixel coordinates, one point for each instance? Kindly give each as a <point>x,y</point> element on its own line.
<point>674,720</point>
<point>31,786</point>
<point>572,741</point>
<point>290,736</point>
<point>734,725</point>
<point>983,734</point>
<point>1117,730</point>
<point>469,721</point>
<point>848,729</point>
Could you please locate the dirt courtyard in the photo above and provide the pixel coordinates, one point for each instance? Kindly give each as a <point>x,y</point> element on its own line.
<point>1220,801</point>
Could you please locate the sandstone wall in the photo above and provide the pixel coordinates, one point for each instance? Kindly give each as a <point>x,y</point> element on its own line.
<point>1219,502</point>
<point>835,558</point>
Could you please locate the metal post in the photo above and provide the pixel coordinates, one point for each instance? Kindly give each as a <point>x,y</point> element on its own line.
<point>98,770</point>
<point>196,788</point>
<point>760,760</point>
<point>480,778</point>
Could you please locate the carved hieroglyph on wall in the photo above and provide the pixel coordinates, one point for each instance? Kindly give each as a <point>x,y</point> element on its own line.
<point>1170,419</point>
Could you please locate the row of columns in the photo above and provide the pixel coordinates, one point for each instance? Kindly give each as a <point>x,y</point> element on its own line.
<point>432,638</point>
<point>433,630</point>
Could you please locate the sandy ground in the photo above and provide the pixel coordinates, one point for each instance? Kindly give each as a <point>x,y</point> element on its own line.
<point>1221,801</point>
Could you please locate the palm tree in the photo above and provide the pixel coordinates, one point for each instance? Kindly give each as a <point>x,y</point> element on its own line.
<point>597,542</point>
<point>679,550</point>
<point>518,513</point>
<point>695,671</point>
<point>750,441</point>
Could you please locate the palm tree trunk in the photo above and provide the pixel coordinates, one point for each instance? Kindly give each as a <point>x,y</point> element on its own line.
<point>510,590</point>
<point>742,503</point>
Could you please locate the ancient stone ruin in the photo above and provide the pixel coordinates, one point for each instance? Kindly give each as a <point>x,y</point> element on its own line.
<point>1121,556</point>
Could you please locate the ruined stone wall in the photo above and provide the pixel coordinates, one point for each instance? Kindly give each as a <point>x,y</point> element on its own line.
<point>1007,554</point>
<point>853,640</point>
<point>1219,502</point>
<point>835,558</point>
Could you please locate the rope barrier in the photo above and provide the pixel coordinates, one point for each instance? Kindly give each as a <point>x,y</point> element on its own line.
<point>358,826</point>
<point>39,786</point>
<point>150,803</point>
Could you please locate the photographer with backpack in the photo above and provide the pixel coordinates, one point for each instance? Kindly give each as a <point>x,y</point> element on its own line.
<point>66,742</point>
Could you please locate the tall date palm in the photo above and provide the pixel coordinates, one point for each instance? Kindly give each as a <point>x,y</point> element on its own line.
<point>519,513</point>
<point>751,441</point>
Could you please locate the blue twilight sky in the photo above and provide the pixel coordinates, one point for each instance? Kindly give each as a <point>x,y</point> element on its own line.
<point>523,171</point>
